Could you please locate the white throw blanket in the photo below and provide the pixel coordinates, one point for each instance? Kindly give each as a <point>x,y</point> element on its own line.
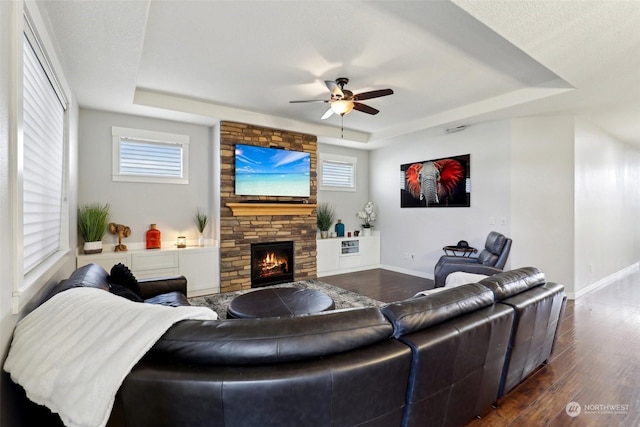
<point>458,278</point>
<point>72,353</point>
<point>454,279</point>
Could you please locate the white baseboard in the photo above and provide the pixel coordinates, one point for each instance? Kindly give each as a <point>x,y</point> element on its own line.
<point>604,281</point>
<point>406,271</point>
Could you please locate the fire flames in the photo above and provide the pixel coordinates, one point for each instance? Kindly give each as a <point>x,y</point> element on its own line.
<point>273,264</point>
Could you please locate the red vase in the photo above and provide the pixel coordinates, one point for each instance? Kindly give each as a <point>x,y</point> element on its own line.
<point>153,237</point>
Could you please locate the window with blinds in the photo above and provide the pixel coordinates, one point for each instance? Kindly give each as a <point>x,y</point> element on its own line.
<point>42,159</point>
<point>337,173</point>
<point>149,156</point>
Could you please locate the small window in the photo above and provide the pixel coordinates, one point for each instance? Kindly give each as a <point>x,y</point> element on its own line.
<point>337,173</point>
<point>148,156</point>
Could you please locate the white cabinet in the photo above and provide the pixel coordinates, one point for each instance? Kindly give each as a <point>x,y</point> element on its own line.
<point>347,254</point>
<point>105,260</point>
<point>198,264</point>
<point>328,255</point>
<point>201,268</point>
<point>154,263</point>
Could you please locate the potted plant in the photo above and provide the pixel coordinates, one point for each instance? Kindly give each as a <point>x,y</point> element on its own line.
<point>368,215</point>
<point>325,216</point>
<point>93,220</point>
<point>201,220</point>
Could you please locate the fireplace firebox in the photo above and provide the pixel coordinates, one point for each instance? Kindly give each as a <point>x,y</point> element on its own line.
<point>271,263</point>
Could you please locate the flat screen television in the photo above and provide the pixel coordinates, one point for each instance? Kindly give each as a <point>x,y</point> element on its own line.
<point>262,171</point>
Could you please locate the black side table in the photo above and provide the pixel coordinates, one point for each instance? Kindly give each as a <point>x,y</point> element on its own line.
<point>465,252</point>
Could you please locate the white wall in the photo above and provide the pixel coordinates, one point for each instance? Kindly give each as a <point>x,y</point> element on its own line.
<point>347,203</point>
<point>170,206</point>
<point>424,231</point>
<point>607,187</point>
<point>6,243</point>
<point>542,208</point>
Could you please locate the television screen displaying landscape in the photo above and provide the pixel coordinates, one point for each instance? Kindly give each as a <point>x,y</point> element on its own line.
<point>262,171</point>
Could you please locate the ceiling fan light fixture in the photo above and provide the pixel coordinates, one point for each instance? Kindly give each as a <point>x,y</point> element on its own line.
<point>342,107</point>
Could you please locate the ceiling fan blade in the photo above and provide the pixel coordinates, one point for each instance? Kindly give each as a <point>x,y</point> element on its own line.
<point>373,94</point>
<point>365,108</point>
<point>328,114</point>
<point>309,100</point>
<point>334,89</point>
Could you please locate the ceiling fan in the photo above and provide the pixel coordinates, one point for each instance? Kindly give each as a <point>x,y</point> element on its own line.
<point>343,101</point>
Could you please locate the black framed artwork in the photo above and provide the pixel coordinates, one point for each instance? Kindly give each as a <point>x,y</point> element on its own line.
<point>436,183</point>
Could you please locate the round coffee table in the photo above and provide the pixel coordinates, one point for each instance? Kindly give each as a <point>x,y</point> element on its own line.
<point>274,302</point>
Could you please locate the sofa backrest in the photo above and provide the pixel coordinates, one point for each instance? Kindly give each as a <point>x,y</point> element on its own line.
<point>459,339</point>
<point>513,282</point>
<point>90,275</point>
<point>457,367</point>
<point>273,340</point>
<point>538,312</point>
<point>421,312</point>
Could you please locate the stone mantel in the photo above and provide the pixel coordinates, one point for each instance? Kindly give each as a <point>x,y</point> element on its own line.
<point>255,209</point>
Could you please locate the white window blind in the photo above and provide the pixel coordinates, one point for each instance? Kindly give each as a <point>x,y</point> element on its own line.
<point>151,159</point>
<point>148,156</point>
<point>337,173</point>
<point>43,162</point>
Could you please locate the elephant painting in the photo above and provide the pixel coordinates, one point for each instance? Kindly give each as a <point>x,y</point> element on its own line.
<point>436,183</point>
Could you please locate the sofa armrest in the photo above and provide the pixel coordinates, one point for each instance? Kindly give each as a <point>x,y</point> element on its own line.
<point>447,259</point>
<point>487,270</point>
<point>468,267</point>
<point>158,286</point>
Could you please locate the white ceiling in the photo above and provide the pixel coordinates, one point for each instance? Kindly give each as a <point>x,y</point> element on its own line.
<point>449,63</point>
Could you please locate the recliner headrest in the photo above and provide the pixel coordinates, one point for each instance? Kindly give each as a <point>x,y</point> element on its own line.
<point>513,282</point>
<point>421,312</point>
<point>495,242</point>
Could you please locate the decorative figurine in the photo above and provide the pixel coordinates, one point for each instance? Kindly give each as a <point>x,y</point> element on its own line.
<point>121,231</point>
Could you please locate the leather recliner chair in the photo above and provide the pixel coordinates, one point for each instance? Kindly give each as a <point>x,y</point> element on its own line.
<point>491,260</point>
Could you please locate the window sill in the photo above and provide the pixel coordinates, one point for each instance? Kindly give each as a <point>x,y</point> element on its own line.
<point>37,278</point>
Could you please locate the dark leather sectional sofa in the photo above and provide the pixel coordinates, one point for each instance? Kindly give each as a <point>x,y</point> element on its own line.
<point>434,360</point>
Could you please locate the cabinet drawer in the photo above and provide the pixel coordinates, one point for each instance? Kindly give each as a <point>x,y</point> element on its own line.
<point>154,261</point>
<point>105,261</point>
<point>350,261</point>
<point>156,273</point>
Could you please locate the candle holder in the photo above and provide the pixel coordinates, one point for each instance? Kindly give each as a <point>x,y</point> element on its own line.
<point>182,242</point>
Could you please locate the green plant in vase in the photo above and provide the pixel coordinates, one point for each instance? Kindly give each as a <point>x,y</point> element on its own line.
<point>201,221</point>
<point>325,216</point>
<point>93,220</point>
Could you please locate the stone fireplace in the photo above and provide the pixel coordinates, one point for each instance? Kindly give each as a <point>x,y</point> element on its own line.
<point>268,218</point>
<point>271,263</point>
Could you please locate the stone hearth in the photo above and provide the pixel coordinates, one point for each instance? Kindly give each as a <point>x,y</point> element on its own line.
<point>237,233</point>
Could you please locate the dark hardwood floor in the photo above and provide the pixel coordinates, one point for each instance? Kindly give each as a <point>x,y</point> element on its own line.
<point>596,361</point>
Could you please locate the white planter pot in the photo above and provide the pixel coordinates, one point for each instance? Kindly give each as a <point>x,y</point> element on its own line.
<point>92,247</point>
<point>324,234</point>
<point>366,232</point>
<point>201,240</point>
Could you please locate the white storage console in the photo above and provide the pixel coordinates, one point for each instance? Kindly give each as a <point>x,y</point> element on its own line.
<point>347,254</point>
<point>200,265</point>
